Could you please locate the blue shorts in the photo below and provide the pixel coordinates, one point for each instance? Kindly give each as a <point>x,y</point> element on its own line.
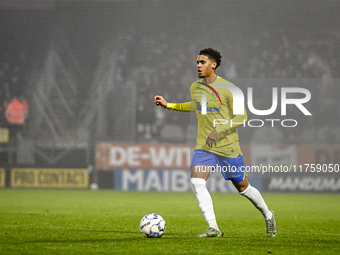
<point>231,168</point>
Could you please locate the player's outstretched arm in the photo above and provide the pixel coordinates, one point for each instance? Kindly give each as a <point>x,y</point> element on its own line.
<point>182,107</point>
<point>159,100</point>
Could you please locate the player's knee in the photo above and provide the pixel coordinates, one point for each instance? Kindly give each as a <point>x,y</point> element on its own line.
<point>202,172</point>
<point>241,186</point>
<point>243,189</point>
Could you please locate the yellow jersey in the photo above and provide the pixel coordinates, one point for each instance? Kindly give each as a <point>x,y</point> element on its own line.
<point>219,116</point>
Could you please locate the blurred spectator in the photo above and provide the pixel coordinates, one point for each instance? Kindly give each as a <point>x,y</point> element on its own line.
<point>16,114</point>
<point>17,111</point>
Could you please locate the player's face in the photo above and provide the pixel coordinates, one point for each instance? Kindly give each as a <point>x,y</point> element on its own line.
<point>205,67</point>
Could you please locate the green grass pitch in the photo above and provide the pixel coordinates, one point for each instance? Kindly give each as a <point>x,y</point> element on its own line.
<point>107,222</point>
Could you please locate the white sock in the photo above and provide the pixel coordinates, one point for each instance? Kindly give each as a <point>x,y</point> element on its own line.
<point>255,197</point>
<point>204,201</point>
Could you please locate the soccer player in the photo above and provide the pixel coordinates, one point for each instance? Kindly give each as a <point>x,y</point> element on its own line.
<point>217,146</point>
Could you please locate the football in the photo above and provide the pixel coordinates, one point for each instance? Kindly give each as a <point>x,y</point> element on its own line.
<point>152,225</point>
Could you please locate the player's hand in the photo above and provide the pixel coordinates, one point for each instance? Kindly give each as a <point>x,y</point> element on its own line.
<point>212,138</point>
<point>159,100</point>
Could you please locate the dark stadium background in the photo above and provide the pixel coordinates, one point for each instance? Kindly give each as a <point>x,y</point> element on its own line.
<point>89,70</point>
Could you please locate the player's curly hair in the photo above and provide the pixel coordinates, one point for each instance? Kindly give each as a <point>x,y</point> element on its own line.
<point>212,54</point>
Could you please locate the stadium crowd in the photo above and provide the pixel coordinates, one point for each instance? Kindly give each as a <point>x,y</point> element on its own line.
<point>165,66</point>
